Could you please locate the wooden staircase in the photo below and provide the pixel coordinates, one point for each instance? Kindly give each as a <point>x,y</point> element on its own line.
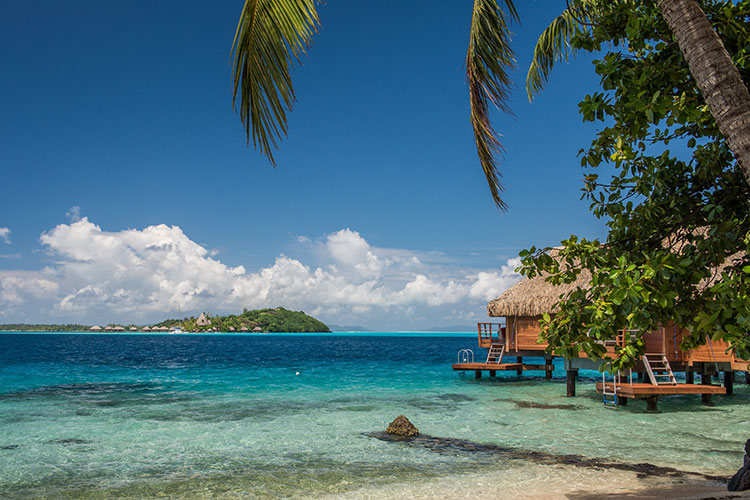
<point>658,369</point>
<point>495,354</point>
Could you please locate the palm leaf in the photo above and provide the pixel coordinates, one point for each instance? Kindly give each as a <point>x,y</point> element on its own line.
<point>488,61</point>
<point>271,35</point>
<point>554,42</point>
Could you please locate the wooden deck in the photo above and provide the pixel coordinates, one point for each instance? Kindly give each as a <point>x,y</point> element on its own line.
<point>646,390</point>
<point>500,366</point>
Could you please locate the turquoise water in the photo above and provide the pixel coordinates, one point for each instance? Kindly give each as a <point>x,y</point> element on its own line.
<point>277,416</point>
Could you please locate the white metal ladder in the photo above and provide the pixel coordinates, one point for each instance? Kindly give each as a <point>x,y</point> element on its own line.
<point>658,369</point>
<point>610,397</point>
<point>495,354</point>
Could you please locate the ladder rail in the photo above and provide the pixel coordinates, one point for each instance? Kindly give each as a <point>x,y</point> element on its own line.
<point>465,356</point>
<point>610,403</point>
<point>659,368</point>
<point>495,353</point>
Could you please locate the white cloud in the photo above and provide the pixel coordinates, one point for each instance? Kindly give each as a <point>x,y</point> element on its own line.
<point>150,273</point>
<point>74,213</point>
<point>5,235</point>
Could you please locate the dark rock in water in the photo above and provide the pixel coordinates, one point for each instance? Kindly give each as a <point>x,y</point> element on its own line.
<point>402,427</point>
<point>741,480</point>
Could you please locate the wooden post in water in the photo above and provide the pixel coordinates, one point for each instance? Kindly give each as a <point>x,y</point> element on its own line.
<point>651,403</point>
<point>570,376</point>
<point>548,369</point>
<point>747,378</point>
<point>729,382</point>
<point>519,370</point>
<point>622,401</point>
<point>477,374</point>
<point>492,373</point>
<point>689,376</point>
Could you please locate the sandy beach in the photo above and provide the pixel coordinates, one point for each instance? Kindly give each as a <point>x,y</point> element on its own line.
<point>544,482</point>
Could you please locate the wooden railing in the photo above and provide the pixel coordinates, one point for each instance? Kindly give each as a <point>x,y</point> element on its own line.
<point>490,333</point>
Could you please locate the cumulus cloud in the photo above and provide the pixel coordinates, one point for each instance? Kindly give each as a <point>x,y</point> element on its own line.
<point>5,235</point>
<point>137,274</point>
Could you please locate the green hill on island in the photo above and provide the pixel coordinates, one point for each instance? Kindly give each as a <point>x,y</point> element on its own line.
<point>278,320</point>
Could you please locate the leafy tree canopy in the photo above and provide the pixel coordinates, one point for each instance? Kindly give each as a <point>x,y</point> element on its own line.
<point>676,204</point>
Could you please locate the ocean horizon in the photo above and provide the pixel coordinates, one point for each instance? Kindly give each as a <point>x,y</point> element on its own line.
<point>301,416</point>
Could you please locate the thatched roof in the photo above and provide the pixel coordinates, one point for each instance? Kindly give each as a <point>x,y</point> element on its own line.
<point>95,328</point>
<point>202,320</point>
<point>257,329</point>
<point>533,297</point>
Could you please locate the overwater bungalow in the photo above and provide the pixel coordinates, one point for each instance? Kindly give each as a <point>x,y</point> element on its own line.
<point>95,328</point>
<point>519,336</point>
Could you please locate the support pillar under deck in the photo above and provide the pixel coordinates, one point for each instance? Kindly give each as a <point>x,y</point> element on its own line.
<point>570,376</point>
<point>548,369</point>
<point>689,376</point>
<point>651,403</point>
<point>729,382</point>
<point>519,370</point>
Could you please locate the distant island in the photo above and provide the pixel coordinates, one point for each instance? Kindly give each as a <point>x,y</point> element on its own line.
<point>24,327</point>
<point>348,328</point>
<point>276,320</point>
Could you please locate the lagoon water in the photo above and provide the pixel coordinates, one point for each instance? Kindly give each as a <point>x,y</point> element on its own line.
<point>227,416</point>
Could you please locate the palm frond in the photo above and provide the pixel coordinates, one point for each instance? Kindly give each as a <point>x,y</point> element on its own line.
<point>554,43</point>
<point>271,35</point>
<point>488,61</point>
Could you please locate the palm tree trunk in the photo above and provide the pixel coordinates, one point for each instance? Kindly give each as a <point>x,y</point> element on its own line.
<point>717,77</point>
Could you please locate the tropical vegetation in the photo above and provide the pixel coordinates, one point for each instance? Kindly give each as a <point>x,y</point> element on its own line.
<point>662,175</point>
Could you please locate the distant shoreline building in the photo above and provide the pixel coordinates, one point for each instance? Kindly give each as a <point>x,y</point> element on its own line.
<point>203,320</point>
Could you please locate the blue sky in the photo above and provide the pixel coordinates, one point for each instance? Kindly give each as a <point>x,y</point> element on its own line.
<point>118,120</point>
